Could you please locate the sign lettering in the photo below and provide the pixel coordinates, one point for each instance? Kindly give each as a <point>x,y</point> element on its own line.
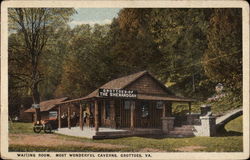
<point>117,93</point>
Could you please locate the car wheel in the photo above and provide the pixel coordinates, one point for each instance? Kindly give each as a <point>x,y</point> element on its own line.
<point>37,128</point>
<point>47,128</point>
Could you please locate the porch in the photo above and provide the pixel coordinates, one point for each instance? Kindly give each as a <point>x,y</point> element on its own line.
<point>89,132</point>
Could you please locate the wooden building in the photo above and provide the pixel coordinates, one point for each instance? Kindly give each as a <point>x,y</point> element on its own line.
<point>135,101</point>
<point>48,109</point>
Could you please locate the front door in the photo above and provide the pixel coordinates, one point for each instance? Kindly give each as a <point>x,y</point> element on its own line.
<point>125,113</point>
<point>142,110</point>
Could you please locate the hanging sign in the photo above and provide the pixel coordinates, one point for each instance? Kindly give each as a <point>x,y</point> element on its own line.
<point>35,106</point>
<point>117,93</point>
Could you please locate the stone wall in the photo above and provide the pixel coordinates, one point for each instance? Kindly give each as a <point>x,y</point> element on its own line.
<point>207,127</point>
<point>193,119</point>
<point>167,124</point>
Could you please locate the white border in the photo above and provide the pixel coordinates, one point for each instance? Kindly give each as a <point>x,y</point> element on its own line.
<point>126,4</point>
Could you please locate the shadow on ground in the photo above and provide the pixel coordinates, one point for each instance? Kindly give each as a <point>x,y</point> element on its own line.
<point>229,133</point>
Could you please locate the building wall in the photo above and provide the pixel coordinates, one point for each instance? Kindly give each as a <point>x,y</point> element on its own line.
<point>153,120</point>
<point>146,84</point>
<point>44,115</point>
<point>111,120</point>
<point>24,116</point>
<point>121,117</point>
<point>74,108</point>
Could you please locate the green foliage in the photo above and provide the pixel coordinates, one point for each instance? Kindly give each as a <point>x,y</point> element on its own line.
<point>86,66</point>
<point>229,102</point>
<point>53,61</point>
<point>193,49</point>
<point>32,29</point>
<point>223,58</point>
<point>168,42</point>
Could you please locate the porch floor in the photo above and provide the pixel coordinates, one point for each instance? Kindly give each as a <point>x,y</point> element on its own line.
<point>87,132</point>
<point>103,132</point>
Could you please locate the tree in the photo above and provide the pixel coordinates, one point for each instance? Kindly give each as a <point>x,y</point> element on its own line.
<point>52,61</point>
<point>36,25</point>
<point>168,42</point>
<point>223,58</point>
<point>86,66</point>
<point>132,46</point>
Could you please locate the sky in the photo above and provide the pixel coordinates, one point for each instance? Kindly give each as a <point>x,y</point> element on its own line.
<point>93,15</point>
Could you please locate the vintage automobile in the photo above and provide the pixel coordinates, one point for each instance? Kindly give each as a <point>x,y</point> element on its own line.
<point>47,125</point>
<point>52,123</point>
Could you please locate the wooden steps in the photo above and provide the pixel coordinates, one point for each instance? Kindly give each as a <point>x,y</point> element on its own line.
<point>183,131</point>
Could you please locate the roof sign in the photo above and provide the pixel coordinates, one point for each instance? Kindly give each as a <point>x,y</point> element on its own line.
<point>117,93</point>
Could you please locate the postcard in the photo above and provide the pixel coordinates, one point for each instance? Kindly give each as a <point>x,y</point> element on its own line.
<point>125,79</point>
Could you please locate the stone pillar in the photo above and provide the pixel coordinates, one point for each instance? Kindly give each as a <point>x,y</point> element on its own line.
<point>167,124</point>
<point>59,117</point>
<point>69,117</point>
<point>81,118</point>
<point>96,117</point>
<point>132,115</point>
<point>208,126</point>
<point>205,110</point>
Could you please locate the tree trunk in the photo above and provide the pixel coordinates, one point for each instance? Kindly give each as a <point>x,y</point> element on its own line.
<point>36,100</point>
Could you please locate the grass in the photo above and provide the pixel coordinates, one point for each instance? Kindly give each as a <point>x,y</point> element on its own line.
<point>134,144</point>
<point>235,125</point>
<point>20,128</point>
<point>29,148</point>
<point>212,144</point>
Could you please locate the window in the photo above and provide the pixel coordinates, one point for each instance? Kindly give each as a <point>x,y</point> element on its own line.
<point>107,110</point>
<point>52,114</point>
<point>159,105</point>
<point>127,105</point>
<point>145,109</point>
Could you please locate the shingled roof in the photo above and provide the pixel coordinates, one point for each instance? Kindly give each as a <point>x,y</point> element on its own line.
<point>48,105</point>
<point>123,82</point>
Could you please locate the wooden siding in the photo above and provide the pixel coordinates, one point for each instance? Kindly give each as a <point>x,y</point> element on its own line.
<point>25,116</point>
<point>125,116</point>
<point>74,108</point>
<point>153,120</point>
<point>146,84</point>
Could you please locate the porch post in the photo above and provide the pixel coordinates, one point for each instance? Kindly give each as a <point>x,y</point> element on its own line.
<point>69,116</point>
<point>103,112</point>
<point>189,108</point>
<point>96,117</point>
<point>112,116</point>
<point>80,118</point>
<point>59,117</point>
<point>164,110</point>
<point>132,114</point>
